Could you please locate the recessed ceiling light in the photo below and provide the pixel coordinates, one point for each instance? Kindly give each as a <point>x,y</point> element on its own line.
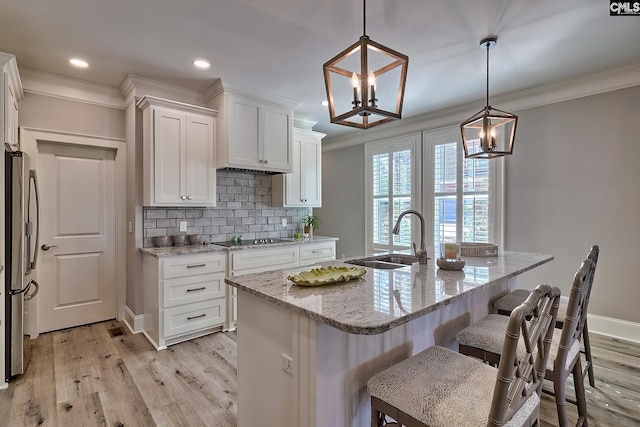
<point>325,103</point>
<point>79,63</point>
<point>201,63</point>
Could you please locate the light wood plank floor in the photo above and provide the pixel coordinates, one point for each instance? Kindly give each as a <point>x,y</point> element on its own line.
<point>84,377</point>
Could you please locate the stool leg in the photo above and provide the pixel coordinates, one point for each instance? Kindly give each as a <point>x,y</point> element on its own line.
<point>559,390</point>
<point>578,383</point>
<point>587,353</point>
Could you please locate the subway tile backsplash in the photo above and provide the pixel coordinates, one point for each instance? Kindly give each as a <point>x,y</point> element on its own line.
<point>243,209</point>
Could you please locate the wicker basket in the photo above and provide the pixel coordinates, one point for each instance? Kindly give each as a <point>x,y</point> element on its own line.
<point>472,249</point>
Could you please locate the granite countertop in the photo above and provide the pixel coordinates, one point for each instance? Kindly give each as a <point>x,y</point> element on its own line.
<point>366,306</point>
<point>202,248</point>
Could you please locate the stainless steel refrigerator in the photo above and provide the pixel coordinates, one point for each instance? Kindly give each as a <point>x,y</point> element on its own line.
<point>22,216</point>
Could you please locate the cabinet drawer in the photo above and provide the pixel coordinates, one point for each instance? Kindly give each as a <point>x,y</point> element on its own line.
<point>188,318</point>
<point>184,290</point>
<point>191,265</point>
<point>264,259</point>
<point>321,251</point>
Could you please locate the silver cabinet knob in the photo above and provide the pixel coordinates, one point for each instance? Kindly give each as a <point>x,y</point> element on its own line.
<point>189,197</point>
<point>183,197</point>
<point>46,247</point>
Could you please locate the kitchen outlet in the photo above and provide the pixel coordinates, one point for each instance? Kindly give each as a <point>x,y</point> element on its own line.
<point>183,226</point>
<point>284,222</point>
<point>130,227</point>
<point>287,364</point>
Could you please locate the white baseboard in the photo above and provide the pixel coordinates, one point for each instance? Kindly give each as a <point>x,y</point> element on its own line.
<point>4,385</point>
<point>614,328</point>
<point>134,322</point>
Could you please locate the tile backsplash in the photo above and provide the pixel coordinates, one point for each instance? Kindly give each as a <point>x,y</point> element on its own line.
<point>243,209</point>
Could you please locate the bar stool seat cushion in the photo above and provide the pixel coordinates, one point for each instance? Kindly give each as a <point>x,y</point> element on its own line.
<point>488,334</point>
<point>440,387</point>
<point>510,301</point>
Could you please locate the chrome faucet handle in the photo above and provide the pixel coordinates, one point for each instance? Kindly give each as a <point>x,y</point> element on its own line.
<point>421,254</point>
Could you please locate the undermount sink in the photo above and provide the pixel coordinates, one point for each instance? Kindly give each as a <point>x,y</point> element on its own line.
<point>386,262</point>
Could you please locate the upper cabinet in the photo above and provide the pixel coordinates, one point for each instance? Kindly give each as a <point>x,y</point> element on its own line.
<point>253,133</point>
<point>302,187</point>
<point>10,94</point>
<point>178,153</point>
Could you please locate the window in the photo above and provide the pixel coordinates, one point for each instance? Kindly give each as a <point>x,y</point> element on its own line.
<point>459,193</point>
<point>393,186</point>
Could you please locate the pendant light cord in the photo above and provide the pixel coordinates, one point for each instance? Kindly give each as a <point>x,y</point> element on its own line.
<point>488,44</point>
<point>364,17</point>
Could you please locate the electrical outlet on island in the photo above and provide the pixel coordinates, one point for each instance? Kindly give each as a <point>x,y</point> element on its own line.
<point>183,226</point>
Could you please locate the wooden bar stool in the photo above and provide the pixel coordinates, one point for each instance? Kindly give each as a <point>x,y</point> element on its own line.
<point>510,301</point>
<point>440,387</point>
<point>482,340</point>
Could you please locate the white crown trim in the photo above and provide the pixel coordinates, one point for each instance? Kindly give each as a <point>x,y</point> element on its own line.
<point>57,86</point>
<point>138,87</point>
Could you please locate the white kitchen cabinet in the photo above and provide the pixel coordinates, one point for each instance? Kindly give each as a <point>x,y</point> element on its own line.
<point>253,133</point>
<point>248,261</point>
<point>302,187</point>
<point>10,94</point>
<point>184,297</point>
<point>315,252</point>
<point>178,154</point>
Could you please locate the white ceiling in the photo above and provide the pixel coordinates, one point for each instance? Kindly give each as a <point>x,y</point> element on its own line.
<point>279,46</point>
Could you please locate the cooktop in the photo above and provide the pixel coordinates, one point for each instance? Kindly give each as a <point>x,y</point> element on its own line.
<point>248,242</point>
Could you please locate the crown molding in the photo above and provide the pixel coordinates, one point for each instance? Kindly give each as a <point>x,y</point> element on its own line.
<point>147,101</point>
<point>627,75</point>
<point>135,87</point>
<point>57,86</point>
<point>13,75</point>
<point>219,87</point>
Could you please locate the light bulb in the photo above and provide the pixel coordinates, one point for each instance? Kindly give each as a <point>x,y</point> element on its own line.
<point>355,82</point>
<point>372,79</point>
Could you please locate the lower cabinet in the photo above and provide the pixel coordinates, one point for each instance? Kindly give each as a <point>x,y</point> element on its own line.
<point>184,297</point>
<point>269,259</point>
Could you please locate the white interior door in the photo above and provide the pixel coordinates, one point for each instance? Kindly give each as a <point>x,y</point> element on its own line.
<point>77,272</point>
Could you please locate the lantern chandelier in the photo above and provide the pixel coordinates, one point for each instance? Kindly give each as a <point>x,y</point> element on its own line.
<point>490,133</point>
<point>367,92</point>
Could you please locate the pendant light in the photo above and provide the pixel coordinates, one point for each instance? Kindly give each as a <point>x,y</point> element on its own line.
<point>365,83</point>
<point>491,132</point>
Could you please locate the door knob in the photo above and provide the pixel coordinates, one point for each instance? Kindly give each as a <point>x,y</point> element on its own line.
<point>46,247</point>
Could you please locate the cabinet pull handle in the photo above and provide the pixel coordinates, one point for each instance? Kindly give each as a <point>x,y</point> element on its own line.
<point>196,265</point>
<point>321,251</point>
<point>189,197</point>
<point>196,317</point>
<point>266,161</point>
<point>197,289</point>
<point>183,197</point>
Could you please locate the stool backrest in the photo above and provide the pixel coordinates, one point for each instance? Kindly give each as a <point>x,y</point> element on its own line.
<point>519,377</point>
<point>576,312</point>
<point>593,257</point>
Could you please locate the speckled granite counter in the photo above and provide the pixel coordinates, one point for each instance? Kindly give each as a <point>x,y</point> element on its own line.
<point>366,306</point>
<point>338,336</point>
<point>201,248</point>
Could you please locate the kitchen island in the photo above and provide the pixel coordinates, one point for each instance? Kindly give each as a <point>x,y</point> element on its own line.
<point>305,354</point>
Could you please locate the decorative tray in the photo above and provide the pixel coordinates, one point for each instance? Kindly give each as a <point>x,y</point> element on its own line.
<point>446,264</point>
<point>474,249</point>
<point>327,275</point>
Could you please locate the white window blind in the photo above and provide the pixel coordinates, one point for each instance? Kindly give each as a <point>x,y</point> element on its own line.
<point>392,187</point>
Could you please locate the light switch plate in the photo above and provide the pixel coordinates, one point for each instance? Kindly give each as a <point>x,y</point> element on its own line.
<point>183,226</point>
<point>284,222</point>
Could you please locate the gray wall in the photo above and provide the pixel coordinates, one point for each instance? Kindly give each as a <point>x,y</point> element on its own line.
<point>342,212</point>
<point>45,112</point>
<point>571,182</point>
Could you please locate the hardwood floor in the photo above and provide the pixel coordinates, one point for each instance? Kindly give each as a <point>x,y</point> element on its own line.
<point>85,377</point>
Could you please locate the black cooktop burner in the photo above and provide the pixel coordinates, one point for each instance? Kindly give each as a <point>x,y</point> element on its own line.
<point>248,242</point>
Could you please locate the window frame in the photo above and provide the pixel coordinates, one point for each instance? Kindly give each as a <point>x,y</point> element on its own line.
<point>412,142</point>
<point>449,134</point>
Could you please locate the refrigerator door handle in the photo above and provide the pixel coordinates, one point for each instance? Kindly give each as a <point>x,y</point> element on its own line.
<point>27,297</point>
<point>33,175</point>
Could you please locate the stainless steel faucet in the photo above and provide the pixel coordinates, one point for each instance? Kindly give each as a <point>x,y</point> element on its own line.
<point>422,253</point>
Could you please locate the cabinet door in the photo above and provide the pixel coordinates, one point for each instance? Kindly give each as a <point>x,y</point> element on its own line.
<point>278,156</point>
<point>11,114</point>
<point>169,153</point>
<point>245,139</point>
<point>310,172</point>
<point>199,167</point>
<point>293,185</point>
